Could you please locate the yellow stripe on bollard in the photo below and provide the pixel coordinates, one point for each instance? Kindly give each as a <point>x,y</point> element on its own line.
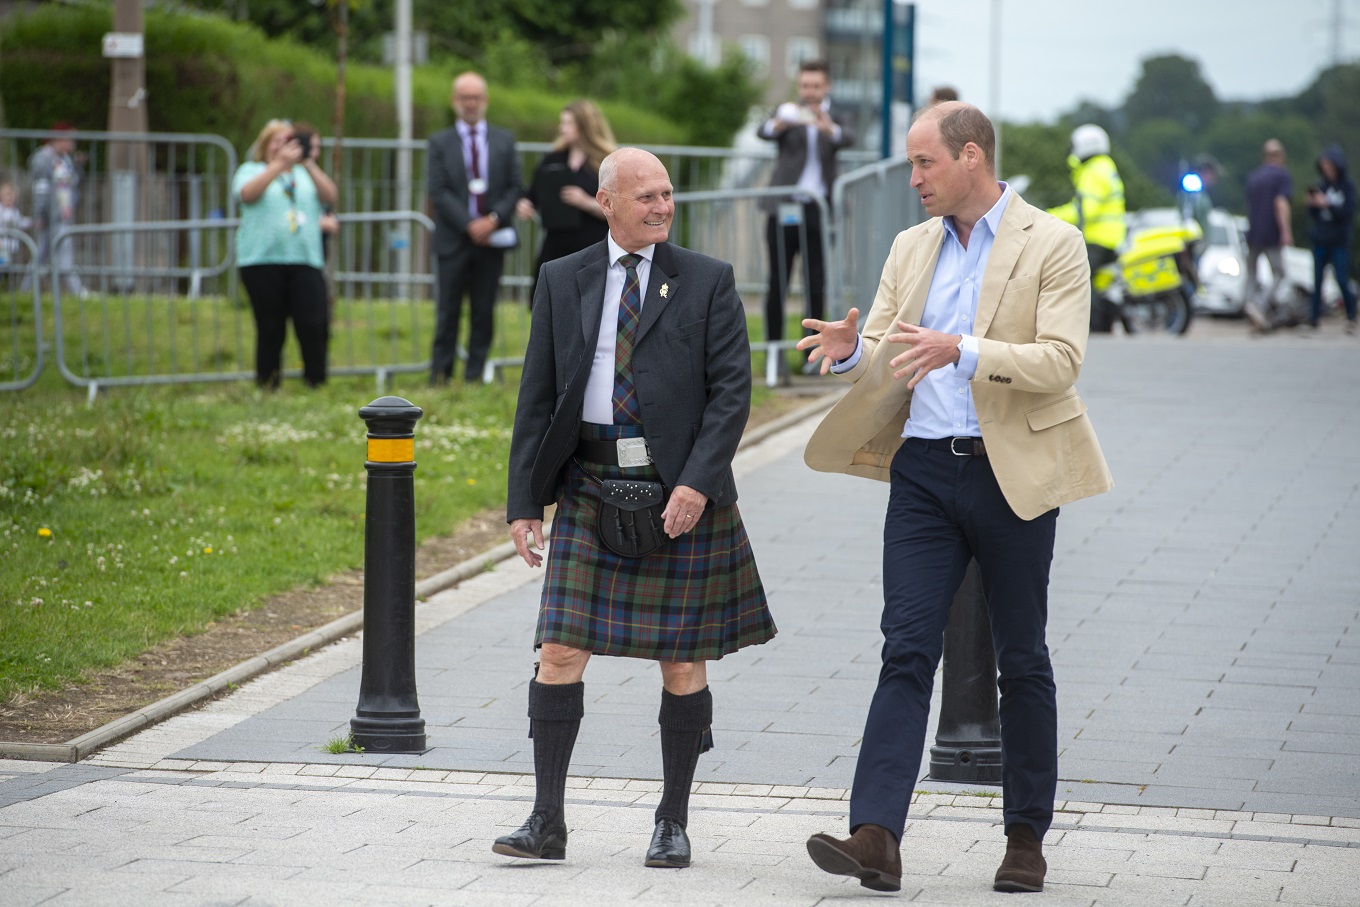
<point>391,450</point>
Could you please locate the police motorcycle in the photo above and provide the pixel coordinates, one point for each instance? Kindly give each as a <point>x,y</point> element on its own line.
<point>1150,285</point>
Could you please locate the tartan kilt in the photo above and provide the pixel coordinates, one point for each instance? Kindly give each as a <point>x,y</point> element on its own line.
<point>697,598</point>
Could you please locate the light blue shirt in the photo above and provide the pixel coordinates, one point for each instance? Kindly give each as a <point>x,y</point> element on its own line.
<point>942,403</point>
<point>283,225</point>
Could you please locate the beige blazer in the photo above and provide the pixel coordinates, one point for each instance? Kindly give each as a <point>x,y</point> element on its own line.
<point>1032,323</point>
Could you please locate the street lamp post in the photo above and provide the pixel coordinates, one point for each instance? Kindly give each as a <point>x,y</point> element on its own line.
<point>994,102</point>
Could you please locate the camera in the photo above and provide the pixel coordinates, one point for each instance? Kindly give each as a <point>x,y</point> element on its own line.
<point>304,138</point>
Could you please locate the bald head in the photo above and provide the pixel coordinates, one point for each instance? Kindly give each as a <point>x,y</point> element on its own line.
<point>469,98</point>
<point>619,165</point>
<point>1273,151</point>
<point>635,193</point>
<point>960,124</point>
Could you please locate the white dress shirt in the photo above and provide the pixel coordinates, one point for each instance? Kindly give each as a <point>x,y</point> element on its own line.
<point>599,403</point>
<point>811,180</point>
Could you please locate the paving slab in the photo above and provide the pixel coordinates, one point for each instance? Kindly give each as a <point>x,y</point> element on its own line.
<point>1205,630</point>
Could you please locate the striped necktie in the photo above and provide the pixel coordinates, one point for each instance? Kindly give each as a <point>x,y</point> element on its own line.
<point>627,410</point>
<point>478,198</point>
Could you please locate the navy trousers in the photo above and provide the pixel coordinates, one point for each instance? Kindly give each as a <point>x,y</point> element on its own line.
<point>942,511</point>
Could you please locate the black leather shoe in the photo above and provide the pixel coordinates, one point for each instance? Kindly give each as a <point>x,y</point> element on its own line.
<point>536,839</point>
<point>670,846</point>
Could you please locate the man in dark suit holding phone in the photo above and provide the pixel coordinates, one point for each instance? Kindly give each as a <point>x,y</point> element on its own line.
<point>808,133</point>
<point>473,183</point>
<point>637,369</point>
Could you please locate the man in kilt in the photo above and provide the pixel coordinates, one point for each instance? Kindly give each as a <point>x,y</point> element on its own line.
<point>638,367</point>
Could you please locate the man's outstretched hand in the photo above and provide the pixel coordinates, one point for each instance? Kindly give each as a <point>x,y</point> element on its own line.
<point>832,340</point>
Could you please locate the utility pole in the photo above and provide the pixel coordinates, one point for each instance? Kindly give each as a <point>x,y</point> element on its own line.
<point>995,89</point>
<point>127,113</point>
<point>340,21</point>
<point>402,55</point>
<point>1338,29</point>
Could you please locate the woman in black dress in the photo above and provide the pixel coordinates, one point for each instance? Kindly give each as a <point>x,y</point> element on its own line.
<point>562,192</point>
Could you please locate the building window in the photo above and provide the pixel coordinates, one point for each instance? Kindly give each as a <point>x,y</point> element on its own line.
<point>796,51</point>
<point>757,50</point>
<point>705,48</point>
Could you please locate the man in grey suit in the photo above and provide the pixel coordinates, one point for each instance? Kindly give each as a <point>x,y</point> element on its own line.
<point>473,183</point>
<point>637,369</point>
<point>808,133</point>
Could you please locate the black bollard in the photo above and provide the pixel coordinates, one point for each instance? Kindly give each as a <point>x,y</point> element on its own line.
<point>968,738</point>
<point>387,719</point>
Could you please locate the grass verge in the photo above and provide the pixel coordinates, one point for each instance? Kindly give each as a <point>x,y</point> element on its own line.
<point>157,510</point>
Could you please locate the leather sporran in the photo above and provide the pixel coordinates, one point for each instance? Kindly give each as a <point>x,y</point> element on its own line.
<point>630,521</point>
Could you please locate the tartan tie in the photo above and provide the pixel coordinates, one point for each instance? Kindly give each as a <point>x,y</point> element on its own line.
<point>627,411</point>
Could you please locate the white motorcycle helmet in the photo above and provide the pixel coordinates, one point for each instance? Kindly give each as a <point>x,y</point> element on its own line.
<point>1088,140</point>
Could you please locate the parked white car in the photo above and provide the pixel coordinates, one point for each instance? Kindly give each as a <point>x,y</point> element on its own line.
<point>1223,259</point>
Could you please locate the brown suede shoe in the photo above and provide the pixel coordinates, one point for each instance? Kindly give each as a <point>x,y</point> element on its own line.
<point>1023,867</point>
<point>871,855</point>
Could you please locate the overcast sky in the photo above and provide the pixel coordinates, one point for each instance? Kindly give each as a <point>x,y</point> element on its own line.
<point>1054,53</point>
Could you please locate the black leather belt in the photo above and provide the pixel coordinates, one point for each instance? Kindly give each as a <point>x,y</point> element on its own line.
<point>959,447</point>
<point>607,453</point>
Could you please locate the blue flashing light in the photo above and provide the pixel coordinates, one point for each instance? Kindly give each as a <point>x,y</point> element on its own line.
<point>1191,182</point>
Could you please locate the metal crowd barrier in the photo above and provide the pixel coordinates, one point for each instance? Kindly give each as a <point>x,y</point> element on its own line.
<point>390,175</point>
<point>726,224</point>
<point>170,320</point>
<point>22,344</point>
<point>133,175</point>
<point>872,205</point>
<point>156,301</point>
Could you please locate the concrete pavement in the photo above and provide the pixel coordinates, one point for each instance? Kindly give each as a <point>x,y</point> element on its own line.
<point>1203,625</point>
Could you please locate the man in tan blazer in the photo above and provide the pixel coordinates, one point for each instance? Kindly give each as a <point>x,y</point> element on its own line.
<point>965,401</point>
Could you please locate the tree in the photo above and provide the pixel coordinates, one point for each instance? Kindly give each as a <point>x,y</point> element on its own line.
<point>558,30</point>
<point>1039,152</point>
<point>613,49</point>
<point>1332,102</point>
<point>1171,87</point>
<point>1235,139</point>
<point>1160,148</point>
<point>1091,112</point>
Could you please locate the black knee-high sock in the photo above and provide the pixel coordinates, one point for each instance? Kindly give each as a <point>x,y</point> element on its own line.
<point>685,722</point>
<point>555,712</point>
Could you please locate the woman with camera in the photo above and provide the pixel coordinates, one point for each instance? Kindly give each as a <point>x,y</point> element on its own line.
<point>278,249</point>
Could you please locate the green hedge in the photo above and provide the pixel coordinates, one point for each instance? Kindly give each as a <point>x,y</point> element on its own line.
<point>209,75</point>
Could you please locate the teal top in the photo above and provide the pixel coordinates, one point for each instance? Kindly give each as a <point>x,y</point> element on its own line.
<point>282,226</point>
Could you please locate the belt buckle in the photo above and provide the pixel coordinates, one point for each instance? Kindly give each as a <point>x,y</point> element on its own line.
<point>961,453</point>
<point>632,452</point>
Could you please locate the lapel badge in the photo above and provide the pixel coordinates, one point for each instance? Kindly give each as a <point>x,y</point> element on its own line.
<point>665,288</point>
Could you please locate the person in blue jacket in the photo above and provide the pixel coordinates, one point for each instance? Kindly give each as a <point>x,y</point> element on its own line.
<point>1331,214</point>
